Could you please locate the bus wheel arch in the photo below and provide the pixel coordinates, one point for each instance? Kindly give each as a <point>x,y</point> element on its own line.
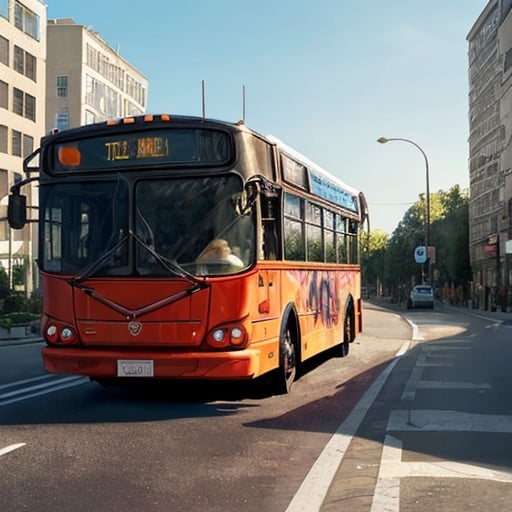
<point>289,352</point>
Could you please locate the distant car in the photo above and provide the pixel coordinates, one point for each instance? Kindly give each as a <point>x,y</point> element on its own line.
<point>422,296</point>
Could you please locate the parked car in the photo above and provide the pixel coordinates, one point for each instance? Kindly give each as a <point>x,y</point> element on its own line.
<point>422,296</point>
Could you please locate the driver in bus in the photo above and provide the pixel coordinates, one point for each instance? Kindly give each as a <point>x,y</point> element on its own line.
<point>218,252</point>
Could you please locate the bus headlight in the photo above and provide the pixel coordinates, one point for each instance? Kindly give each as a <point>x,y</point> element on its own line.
<point>57,333</point>
<point>67,335</point>
<point>51,334</point>
<point>234,335</point>
<point>237,336</point>
<point>218,335</point>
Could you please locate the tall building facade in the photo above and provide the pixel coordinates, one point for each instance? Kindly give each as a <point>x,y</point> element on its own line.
<point>490,155</point>
<point>86,80</point>
<point>22,121</point>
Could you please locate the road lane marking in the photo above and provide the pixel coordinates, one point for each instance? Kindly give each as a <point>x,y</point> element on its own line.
<point>313,490</point>
<point>416,335</point>
<point>10,448</point>
<point>447,421</point>
<point>422,361</point>
<point>41,389</point>
<point>27,381</point>
<point>433,384</point>
<point>409,392</point>
<point>387,491</point>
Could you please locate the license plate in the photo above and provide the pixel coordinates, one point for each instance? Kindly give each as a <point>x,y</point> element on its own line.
<point>134,368</point>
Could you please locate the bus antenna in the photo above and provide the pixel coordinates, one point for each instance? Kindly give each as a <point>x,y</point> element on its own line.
<point>203,99</point>
<point>242,121</point>
<point>243,104</point>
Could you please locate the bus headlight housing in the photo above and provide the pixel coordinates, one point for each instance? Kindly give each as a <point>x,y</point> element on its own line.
<point>57,333</point>
<point>228,336</point>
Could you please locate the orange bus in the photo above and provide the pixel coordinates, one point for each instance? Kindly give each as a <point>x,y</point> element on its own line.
<point>176,247</point>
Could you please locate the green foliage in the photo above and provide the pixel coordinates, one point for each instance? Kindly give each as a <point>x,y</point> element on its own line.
<point>14,302</point>
<point>391,261</point>
<point>17,302</point>
<point>5,323</point>
<point>373,256</point>
<point>17,319</point>
<point>4,283</point>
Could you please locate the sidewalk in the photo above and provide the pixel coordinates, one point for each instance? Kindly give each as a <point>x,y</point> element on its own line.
<point>18,335</point>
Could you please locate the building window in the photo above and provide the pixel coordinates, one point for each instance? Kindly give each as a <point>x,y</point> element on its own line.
<point>4,95</point>
<point>62,86</point>
<point>4,8</point>
<point>28,145</point>
<point>508,60</point>
<point>24,104</point>
<point>4,50</point>
<point>30,66</point>
<point>16,143</point>
<point>62,119</point>
<point>17,101</point>
<point>26,20</point>
<point>19,61</point>
<point>3,138</point>
<point>30,107</point>
<point>24,63</point>
<point>90,118</point>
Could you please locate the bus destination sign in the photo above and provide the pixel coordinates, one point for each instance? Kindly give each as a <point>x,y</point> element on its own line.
<point>144,147</point>
<point>105,153</point>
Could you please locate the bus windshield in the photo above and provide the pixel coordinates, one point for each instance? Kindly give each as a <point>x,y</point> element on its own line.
<point>148,227</point>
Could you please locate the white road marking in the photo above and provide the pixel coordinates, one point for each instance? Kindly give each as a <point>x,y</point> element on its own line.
<point>387,490</point>
<point>312,492</point>
<point>416,336</point>
<point>422,361</point>
<point>447,421</point>
<point>414,382</point>
<point>409,392</point>
<point>432,384</point>
<point>26,381</point>
<point>386,497</point>
<point>39,389</point>
<point>10,448</point>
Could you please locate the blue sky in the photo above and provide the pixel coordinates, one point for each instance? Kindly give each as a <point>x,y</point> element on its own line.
<point>328,77</point>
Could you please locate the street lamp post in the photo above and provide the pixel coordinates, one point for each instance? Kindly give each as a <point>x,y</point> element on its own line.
<point>384,140</point>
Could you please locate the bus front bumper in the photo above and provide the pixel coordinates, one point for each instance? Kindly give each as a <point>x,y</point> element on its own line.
<point>243,364</point>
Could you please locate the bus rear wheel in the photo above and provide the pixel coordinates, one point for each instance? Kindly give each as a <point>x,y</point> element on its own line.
<point>348,334</point>
<point>287,371</point>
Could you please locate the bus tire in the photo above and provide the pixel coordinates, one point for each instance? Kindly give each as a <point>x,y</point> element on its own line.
<point>343,348</point>
<point>285,375</point>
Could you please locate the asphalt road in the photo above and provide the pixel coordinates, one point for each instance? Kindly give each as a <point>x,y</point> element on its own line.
<point>371,432</point>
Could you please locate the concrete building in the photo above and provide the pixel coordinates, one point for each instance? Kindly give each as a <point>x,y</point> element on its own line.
<point>86,80</point>
<point>490,154</point>
<point>22,121</point>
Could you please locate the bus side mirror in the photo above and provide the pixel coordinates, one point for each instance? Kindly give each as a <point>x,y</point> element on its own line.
<point>17,211</point>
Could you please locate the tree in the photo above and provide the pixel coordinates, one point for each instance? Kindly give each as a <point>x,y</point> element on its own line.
<point>4,283</point>
<point>450,236</point>
<point>373,254</point>
<point>393,263</point>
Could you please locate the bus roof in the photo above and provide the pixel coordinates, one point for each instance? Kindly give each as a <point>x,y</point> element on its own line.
<point>312,165</point>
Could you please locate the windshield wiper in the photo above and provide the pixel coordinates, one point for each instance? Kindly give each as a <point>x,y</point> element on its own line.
<point>99,263</point>
<point>170,265</point>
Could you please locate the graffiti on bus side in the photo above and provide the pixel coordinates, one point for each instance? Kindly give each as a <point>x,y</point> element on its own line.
<point>319,292</point>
